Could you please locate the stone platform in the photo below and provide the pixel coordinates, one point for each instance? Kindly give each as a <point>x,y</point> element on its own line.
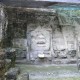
<point>54,61</point>
<point>48,72</point>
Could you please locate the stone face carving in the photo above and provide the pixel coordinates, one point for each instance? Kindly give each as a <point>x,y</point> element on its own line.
<point>39,41</point>
<point>48,34</point>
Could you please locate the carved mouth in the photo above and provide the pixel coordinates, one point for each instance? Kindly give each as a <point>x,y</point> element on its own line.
<point>41,42</point>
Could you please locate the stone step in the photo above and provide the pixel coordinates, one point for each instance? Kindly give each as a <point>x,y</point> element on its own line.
<point>48,75</point>
<point>54,61</point>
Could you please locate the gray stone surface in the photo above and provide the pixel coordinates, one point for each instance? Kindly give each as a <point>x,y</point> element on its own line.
<point>12,73</point>
<point>45,72</point>
<point>47,35</point>
<point>3,22</point>
<point>2,64</point>
<point>24,76</point>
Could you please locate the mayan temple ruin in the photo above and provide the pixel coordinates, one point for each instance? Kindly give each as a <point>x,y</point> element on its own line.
<point>39,40</point>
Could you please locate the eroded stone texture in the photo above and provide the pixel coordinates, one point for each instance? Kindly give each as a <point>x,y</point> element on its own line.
<point>40,41</point>
<point>39,37</point>
<point>21,47</point>
<point>44,34</point>
<point>1,20</point>
<point>12,74</point>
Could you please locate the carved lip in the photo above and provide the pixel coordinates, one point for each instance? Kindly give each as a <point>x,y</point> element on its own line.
<point>41,42</point>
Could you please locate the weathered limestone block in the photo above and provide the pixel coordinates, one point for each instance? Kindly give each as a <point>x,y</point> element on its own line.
<point>12,74</point>
<point>2,58</point>
<point>21,47</point>
<point>71,53</point>
<point>58,39</point>
<point>39,41</point>
<point>20,43</point>
<point>62,54</point>
<point>77,36</point>
<point>24,76</point>
<point>11,54</point>
<point>7,64</point>
<point>21,53</point>
<point>69,36</point>
<point>3,21</point>
<point>2,63</point>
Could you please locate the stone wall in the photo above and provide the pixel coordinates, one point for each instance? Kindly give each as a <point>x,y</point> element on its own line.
<point>3,24</point>
<point>43,33</point>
